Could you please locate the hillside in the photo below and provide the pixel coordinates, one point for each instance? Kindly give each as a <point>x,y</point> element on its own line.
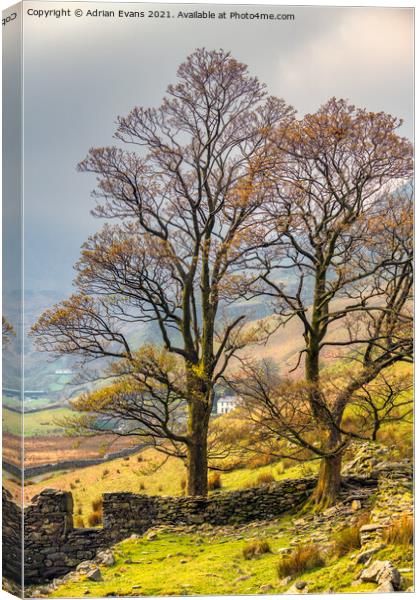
<point>363,544</point>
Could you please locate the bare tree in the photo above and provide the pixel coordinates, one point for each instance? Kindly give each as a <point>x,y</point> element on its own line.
<point>188,201</point>
<point>343,259</point>
<point>388,399</point>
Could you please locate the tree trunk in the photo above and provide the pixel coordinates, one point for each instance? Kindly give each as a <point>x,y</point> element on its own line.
<point>197,460</point>
<point>329,482</point>
<point>197,467</point>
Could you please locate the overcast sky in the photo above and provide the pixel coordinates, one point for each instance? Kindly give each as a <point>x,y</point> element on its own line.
<point>80,73</point>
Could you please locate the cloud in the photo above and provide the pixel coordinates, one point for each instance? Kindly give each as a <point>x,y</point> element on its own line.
<point>368,52</point>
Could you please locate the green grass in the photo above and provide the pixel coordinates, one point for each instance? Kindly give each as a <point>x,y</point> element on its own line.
<point>339,576</point>
<point>213,563</point>
<point>180,565</point>
<point>36,424</point>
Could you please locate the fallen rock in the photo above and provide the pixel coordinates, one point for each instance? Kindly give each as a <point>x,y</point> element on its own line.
<point>382,571</point>
<point>299,587</point>
<point>266,588</point>
<point>385,586</point>
<point>94,575</point>
<point>86,565</point>
<point>106,557</point>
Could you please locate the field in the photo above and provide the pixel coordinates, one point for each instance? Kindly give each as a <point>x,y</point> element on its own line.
<point>42,423</point>
<point>46,450</point>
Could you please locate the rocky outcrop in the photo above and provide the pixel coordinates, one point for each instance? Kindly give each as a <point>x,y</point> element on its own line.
<point>384,574</point>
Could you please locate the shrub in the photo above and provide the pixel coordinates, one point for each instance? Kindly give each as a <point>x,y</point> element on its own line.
<point>77,481</point>
<point>78,522</point>
<point>126,458</point>
<point>215,481</point>
<point>255,549</point>
<point>303,558</point>
<point>183,484</point>
<point>160,488</point>
<point>261,460</point>
<point>95,518</point>
<point>73,486</point>
<point>79,510</point>
<point>105,473</point>
<point>401,532</point>
<point>346,540</point>
<point>265,478</point>
<point>97,505</point>
<point>142,486</point>
<point>139,459</point>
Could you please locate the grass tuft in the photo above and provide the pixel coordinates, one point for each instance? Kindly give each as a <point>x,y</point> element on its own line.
<point>265,478</point>
<point>215,481</point>
<point>97,504</point>
<point>346,540</point>
<point>95,518</point>
<point>303,558</point>
<point>256,549</point>
<point>401,532</point>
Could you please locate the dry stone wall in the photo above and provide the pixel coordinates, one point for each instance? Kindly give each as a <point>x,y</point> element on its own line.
<point>11,538</point>
<point>53,547</point>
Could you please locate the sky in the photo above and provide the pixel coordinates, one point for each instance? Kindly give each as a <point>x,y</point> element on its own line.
<point>81,73</point>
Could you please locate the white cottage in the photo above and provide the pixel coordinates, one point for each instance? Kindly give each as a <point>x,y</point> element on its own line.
<point>226,404</point>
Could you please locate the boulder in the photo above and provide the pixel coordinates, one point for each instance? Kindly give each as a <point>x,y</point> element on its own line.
<point>105,557</point>
<point>94,575</point>
<point>299,587</point>
<point>385,586</point>
<point>382,572</point>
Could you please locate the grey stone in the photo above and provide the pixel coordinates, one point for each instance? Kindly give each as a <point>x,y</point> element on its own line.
<point>298,590</point>
<point>94,575</point>
<point>364,556</point>
<point>106,557</point>
<point>382,571</point>
<point>385,586</point>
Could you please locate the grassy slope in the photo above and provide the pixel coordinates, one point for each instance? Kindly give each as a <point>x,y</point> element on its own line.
<point>188,564</point>
<point>129,475</point>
